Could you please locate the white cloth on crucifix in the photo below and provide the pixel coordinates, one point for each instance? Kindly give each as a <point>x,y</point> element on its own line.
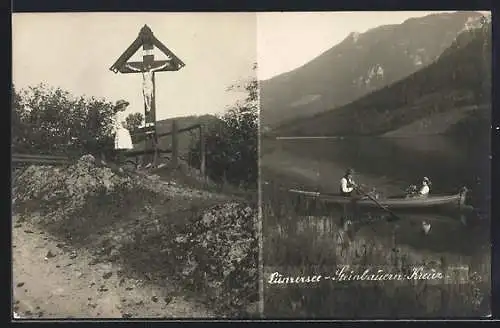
<point>147,82</point>
<point>147,88</point>
<point>123,139</point>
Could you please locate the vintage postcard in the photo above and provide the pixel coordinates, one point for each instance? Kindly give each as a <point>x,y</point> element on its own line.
<point>275,165</point>
<point>375,164</point>
<point>135,165</point>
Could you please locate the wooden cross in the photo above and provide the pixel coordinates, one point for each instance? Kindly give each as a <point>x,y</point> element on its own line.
<point>148,67</point>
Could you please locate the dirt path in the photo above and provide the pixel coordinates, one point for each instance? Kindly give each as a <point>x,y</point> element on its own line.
<point>65,284</point>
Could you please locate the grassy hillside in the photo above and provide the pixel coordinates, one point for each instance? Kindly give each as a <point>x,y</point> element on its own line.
<point>459,78</point>
<point>161,232</point>
<point>360,64</point>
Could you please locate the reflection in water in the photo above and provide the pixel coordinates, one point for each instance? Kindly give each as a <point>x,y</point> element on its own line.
<point>460,234</point>
<point>310,244</point>
<point>301,237</point>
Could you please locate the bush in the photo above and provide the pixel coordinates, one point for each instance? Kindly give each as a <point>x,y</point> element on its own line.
<point>218,251</point>
<point>51,120</point>
<point>134,121</point>
<point>231,145</point>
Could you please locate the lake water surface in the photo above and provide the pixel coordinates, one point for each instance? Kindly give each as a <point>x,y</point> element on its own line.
<point>450,164</point>
<point>300,240</point>
<point>390,165</point>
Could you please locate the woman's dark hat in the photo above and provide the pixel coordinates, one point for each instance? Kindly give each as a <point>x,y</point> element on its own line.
<point>349,171</point>
<point>121,103</point>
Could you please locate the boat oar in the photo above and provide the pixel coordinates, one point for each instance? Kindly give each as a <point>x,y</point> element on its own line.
<point>317,194</point>
<point>376,202</point>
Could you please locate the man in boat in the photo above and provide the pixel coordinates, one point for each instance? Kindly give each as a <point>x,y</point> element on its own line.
<point>347,184</point>
<point>347,189</point>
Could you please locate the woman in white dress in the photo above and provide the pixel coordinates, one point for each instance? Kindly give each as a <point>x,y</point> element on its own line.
<point>123,141</point>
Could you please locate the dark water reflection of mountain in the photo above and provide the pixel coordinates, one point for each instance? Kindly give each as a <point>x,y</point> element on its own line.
<point>449,233</point>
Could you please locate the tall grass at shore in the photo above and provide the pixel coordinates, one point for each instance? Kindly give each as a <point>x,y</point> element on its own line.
<point>301,239</point>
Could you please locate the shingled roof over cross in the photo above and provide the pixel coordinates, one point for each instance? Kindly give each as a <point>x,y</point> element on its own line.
<point>146,39</point>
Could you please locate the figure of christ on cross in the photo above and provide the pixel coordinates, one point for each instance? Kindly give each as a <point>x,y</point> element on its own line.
<point>147,83</point>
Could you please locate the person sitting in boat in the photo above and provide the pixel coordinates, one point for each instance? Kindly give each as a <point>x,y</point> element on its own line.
<point>411,191</point>
<point>425,188</point>
<point>347,184</point>
<point>426,226</point>
<point>423,191</point>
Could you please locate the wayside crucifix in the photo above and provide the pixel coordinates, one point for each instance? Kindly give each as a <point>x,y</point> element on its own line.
<point>148,67</point>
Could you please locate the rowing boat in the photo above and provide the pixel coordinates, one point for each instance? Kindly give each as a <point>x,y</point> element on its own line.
<point>390,202</point>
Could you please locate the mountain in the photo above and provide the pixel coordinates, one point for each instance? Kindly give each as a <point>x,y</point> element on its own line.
<point>451,95</point>
<point>360,64</point>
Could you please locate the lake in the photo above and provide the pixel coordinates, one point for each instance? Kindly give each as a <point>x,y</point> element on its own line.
<point>295,239</point>
<point>449,164</point>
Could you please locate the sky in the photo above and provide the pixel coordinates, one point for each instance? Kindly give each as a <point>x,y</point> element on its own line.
<point>289,40</point>
<point>75,50</point>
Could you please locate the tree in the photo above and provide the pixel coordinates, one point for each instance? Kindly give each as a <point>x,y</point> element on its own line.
<point>51,120</point>
<point>133,122</point>
<point>17,129</point>
<point>231,145</point>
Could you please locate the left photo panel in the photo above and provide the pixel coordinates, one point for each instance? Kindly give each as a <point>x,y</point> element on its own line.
<point>134,166</point>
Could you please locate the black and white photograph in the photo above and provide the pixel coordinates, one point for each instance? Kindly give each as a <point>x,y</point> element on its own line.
<point>134,165</point>
<point>375,164</point>
<point>251,165</point>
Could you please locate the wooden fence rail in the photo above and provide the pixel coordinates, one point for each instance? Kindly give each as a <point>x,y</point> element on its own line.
<point>142,134</point>
<point>19,159</point>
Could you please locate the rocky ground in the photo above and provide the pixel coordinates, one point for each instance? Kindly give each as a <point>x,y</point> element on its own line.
<point>99,243</point>
<point>51,280</point>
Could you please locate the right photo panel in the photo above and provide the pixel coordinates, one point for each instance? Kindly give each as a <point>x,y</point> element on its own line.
<point>375,164</point>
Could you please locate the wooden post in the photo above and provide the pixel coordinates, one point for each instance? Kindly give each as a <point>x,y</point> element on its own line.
<point>154,138</point>
<point>175,149</point>
<point>149,115</point>
<point>152,116</point>
<point>202,152</point>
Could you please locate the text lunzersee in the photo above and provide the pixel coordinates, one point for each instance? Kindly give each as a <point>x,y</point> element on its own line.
<point>345,274</point>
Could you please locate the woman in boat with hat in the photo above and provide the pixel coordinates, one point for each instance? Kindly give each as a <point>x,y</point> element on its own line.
<point>425,189</point>
<point>123,141</point>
